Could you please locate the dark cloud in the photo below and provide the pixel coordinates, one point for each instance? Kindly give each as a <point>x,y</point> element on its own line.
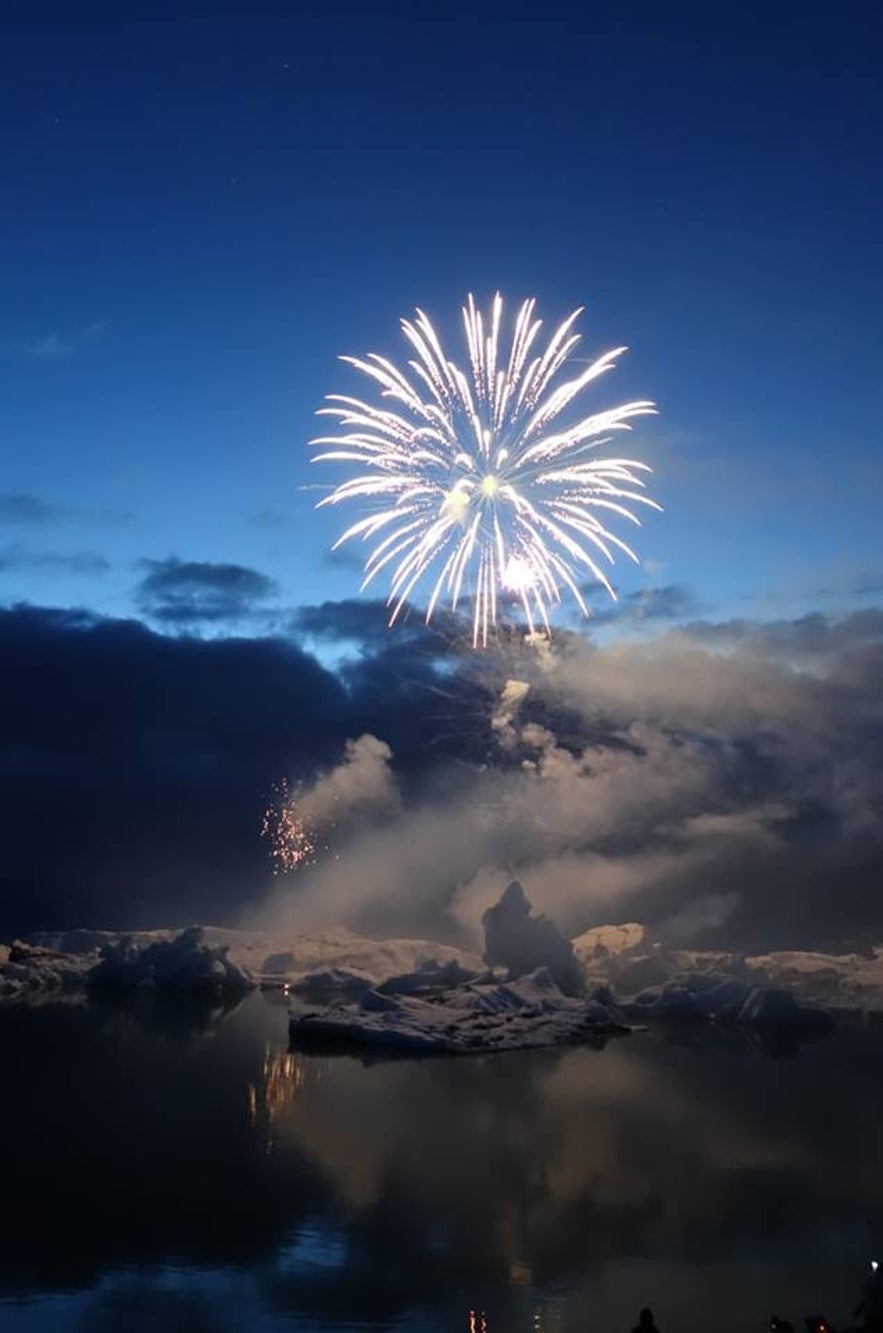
<point>811,636</point>
<point>850,585</point>
<point>864,586</point>
<point>190,592</point>
<point>344,557</point>
<point>670,602</point>
<point>594,588</point>
<point>351,620</point>
<point>274,518</point>
<point>21,509</point>
<point>720,782</point>
<point>15,559</point>
<point>356,620</point>
<point>134,766</point>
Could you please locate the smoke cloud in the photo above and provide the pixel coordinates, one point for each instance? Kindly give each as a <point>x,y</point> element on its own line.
<point>718,785</point>
<point>361,784</point>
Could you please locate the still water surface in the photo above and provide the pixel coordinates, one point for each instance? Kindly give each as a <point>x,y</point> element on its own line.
<point>182,1171</point>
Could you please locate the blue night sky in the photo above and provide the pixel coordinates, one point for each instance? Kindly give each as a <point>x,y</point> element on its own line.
<point>205,208</point>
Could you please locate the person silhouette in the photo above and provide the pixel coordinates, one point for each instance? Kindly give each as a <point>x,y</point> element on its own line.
<point>646,1323</point>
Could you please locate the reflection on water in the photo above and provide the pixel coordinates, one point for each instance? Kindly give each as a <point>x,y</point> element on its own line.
<point>282,1073</point>
<point>186,1171</point>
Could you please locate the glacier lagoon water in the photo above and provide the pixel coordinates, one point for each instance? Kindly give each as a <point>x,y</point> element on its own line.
<point>178,1169</point>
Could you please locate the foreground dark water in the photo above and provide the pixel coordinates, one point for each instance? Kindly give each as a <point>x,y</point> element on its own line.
<point>181,1171</point>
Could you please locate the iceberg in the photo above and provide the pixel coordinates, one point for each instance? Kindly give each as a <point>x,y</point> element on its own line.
<point>521,942</point>
<point>473,1018</point>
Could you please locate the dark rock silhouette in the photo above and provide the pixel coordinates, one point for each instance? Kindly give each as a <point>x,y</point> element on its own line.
<point>646,1322</point>
<point>521,942</point>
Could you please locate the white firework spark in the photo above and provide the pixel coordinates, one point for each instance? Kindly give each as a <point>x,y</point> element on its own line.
<point>485,482</point>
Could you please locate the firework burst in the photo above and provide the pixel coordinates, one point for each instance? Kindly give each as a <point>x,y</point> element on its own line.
<point>292,841</point>
<point>485,482</point>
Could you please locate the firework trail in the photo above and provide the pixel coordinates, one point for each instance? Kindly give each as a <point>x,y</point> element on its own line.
<point>484,481</point>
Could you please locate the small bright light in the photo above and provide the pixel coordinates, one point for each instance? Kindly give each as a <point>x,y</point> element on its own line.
<point>456,502</point>
<point>490,486</point>
<point>518,575</point>
<point>874,1265</point>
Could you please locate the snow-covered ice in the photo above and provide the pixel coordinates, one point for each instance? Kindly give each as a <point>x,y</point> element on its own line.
<point>606,941</point>
<point>299,961</point>
<point>470,1018</point>
<point>334,960</point>
<point>417,994</point>
<point>33,970</point>
<point>483,1015</point>
<point>185,962</point>
<point>852,982</point>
